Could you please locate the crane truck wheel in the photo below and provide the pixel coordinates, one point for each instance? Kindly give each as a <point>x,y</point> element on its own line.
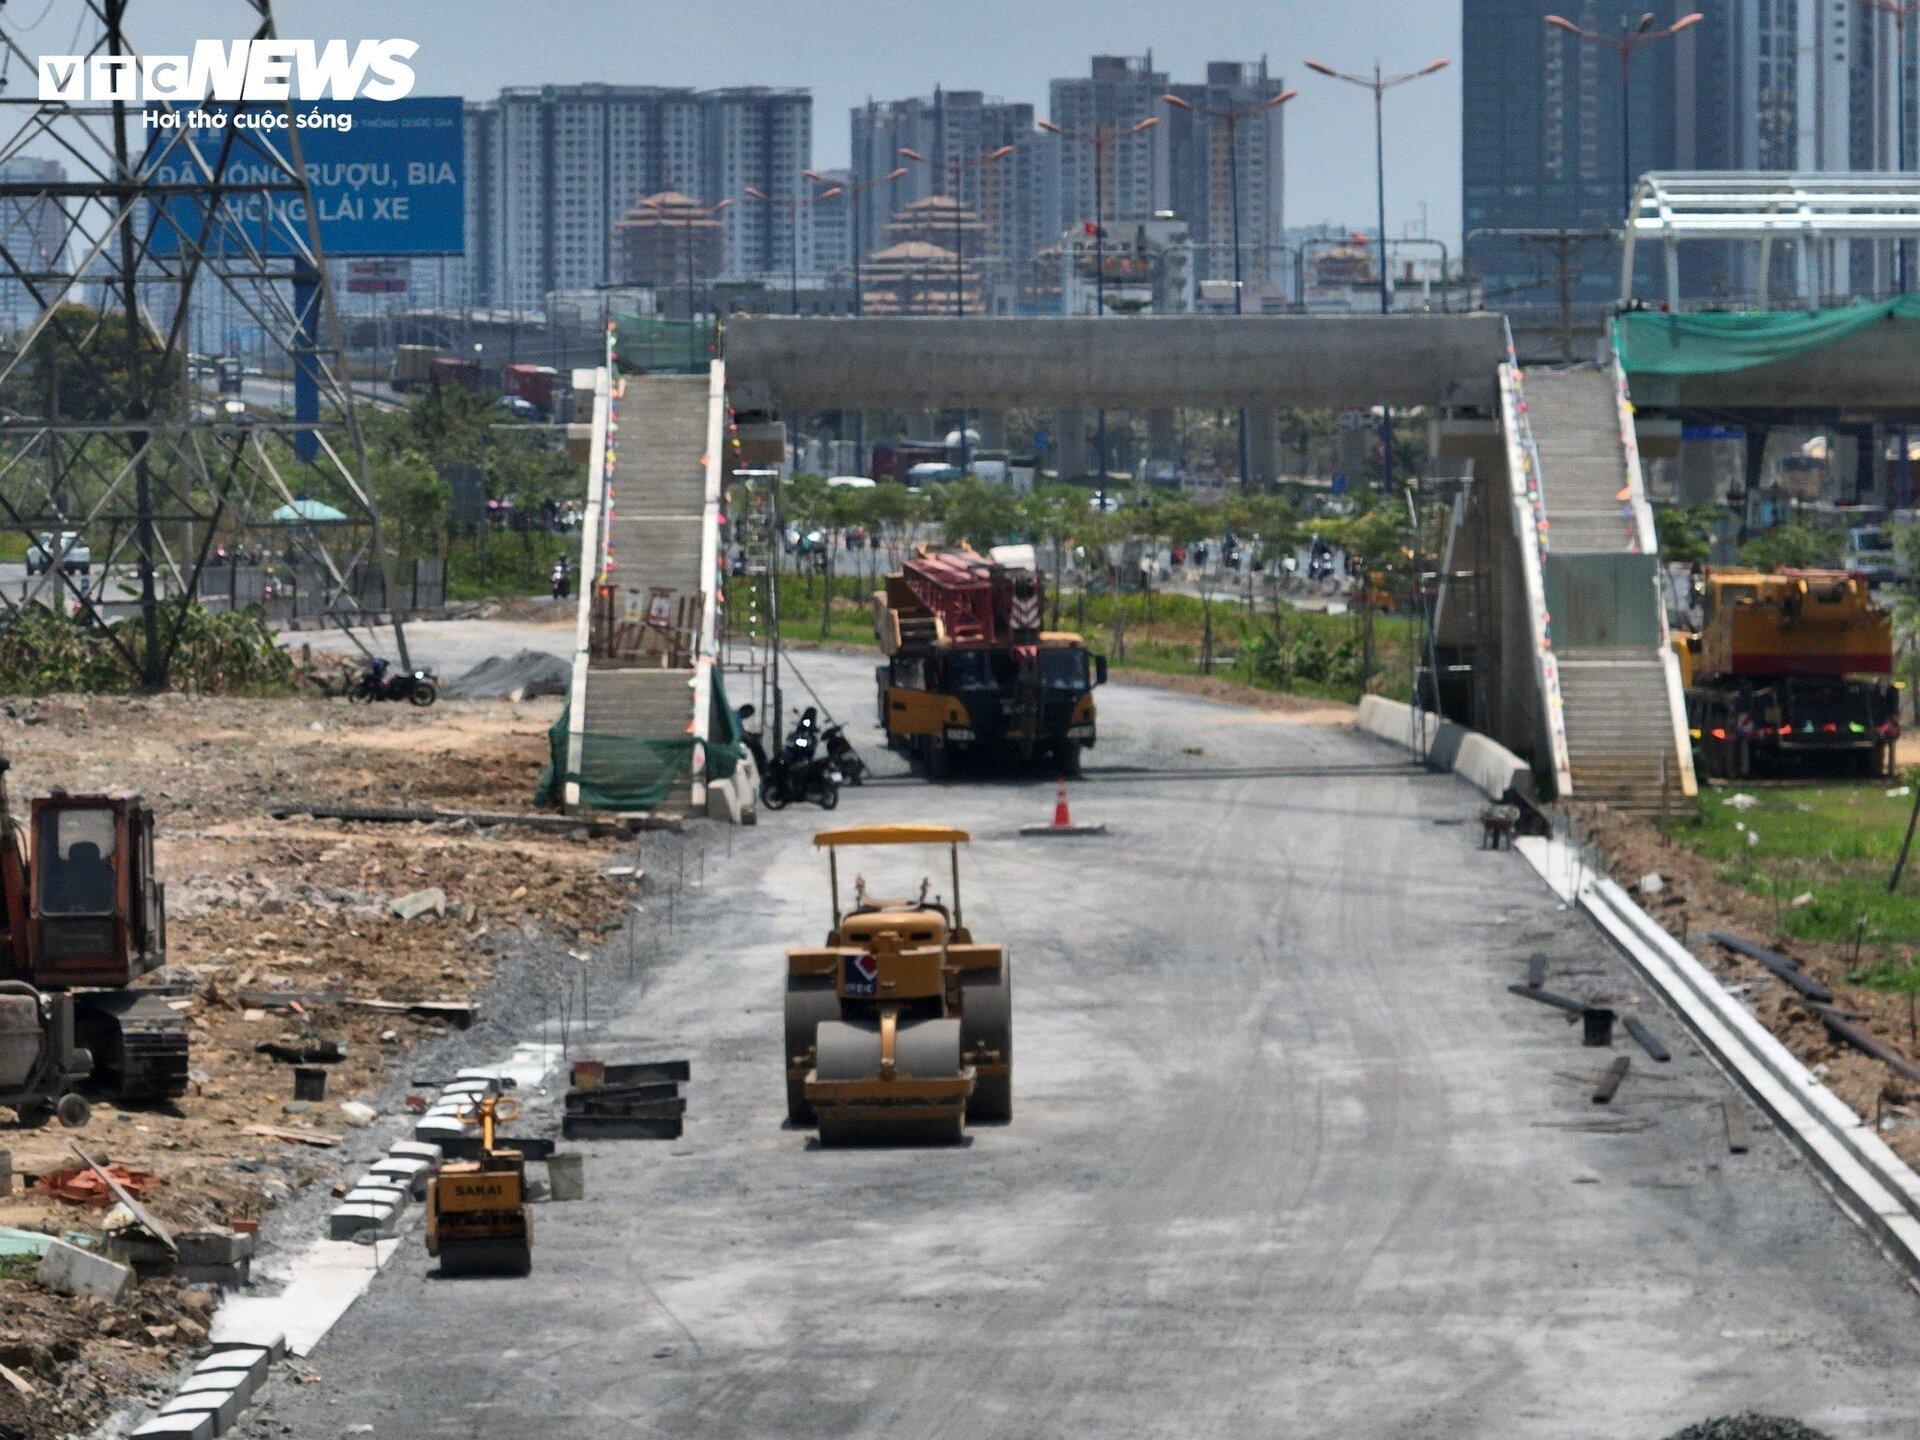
<point>811,1003</point>
<point>923,1050</point>
<point>986,1023</point>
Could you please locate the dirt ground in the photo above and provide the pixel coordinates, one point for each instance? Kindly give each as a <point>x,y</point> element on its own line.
<point>261,904</point>
<point>1695,900</point>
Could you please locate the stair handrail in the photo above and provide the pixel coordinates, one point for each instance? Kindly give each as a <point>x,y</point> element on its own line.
<point>1531,531</point>
<point>1648,543</point>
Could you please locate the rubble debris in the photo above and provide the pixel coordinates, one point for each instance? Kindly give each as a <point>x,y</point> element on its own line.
<point>356,1113</point>
<point>87,1184</point>
<point>304,1052</point>
<point>405,815</point>
<point>319,1139</point>
<point>1749,1426</point>
<point>416,903</point>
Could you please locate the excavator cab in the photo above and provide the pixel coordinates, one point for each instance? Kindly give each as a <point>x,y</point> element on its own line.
<point>96,912</point>
<point>900,1026</point>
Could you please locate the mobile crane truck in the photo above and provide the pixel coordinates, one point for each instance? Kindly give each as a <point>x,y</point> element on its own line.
<point>970,673</point>
<point>1794,665</point>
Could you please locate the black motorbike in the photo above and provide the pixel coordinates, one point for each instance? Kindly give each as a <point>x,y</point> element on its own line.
<point>380,681</point>
<point>845,760</point>
<point>802,770</point>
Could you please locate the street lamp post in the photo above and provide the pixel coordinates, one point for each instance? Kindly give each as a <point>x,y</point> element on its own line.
<point>956,168</point>
<point>853,191</point>
<point>1379,84</point>
<point>1231,118</point>
<point>686,228</point>
<point>1098,141</point>
<point>793,232</point>
<point>1630,39</point>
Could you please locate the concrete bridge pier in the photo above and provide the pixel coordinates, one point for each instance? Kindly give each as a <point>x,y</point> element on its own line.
<point>1163,435</point>
<point>1262,427</point>
<point>1070,443</point>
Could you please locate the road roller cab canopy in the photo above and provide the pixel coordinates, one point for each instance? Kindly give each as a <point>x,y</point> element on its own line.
<point>832,841</point>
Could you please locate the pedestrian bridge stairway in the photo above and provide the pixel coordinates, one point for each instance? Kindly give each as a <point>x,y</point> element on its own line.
<point>1618,688</point>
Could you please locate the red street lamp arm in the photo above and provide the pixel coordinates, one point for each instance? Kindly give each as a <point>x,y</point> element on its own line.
<point>1430,68</point>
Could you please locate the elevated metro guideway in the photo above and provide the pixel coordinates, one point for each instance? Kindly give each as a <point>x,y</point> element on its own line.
<point>1550,599</point>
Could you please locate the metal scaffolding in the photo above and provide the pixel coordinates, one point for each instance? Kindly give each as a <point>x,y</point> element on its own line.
<point>110,427</point>
<point>1821,214</point>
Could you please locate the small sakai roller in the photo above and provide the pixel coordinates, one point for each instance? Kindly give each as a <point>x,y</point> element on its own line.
<point>477,1221</point>
<point>899,1028</point>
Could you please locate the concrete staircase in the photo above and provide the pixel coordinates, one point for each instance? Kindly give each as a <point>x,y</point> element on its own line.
<point>1621,746</point>
<point>656,495</point>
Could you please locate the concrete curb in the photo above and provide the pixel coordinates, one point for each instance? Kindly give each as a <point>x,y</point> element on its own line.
<point>251,1332</point>
<point>1874,1186</point>
<point>1483,763</point>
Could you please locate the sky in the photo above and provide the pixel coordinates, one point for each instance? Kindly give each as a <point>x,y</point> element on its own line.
<point>847,51</point>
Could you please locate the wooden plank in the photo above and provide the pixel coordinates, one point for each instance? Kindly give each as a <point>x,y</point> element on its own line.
<point>319,1139</point>
<point>646,1071</point>
<point>594,1102</point>
<point>618,1127</point>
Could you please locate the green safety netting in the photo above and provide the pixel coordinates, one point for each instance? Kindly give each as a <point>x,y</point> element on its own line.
<point>619,772</point>
<point>1650,342</point>
<point>642,344</point>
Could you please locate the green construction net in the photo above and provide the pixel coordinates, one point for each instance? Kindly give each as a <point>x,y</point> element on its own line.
<point>645,345</point>
<point>1651,342</point>
<point>619,772</point>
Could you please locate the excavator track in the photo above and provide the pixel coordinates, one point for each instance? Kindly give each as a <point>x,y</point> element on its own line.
<point>139,1043</point>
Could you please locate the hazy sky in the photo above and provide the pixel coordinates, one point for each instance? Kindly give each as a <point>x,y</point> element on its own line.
<point>848,50</point>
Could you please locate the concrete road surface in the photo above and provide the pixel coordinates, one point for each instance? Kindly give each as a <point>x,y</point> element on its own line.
<point>1287,1161</point>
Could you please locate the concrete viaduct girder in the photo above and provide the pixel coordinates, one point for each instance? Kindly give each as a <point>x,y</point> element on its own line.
<point>1146,363</point>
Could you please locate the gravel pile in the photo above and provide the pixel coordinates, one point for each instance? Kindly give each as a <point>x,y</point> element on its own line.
<point>1748,1427</point>
<point>523,676</point>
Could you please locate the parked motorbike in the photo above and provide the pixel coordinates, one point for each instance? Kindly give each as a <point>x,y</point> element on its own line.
<point>801,771</point>
<point>380,681</point>
<point>842,756</point>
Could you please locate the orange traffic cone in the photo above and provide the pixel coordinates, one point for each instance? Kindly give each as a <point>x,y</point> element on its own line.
<point>1063,822</point>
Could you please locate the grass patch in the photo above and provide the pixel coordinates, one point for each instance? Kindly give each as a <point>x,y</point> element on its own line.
<point>1834,842</point>
<point>507,563</point>
<point>1296,652</point>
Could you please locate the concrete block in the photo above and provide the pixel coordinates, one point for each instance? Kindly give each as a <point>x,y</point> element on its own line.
<point>223,1408</point>
<point>723,803</point>
<point>232,1333</point>
<point>414,1174</point>
<point>215,1247</point>
<point>348,1221</point>
<point>414,1150</point>
<point>73,1271</point>
<point>479,1072</point>
<point>175,1427</point>
<point>392,1201</point>
<point>438,1129</point>
<point>215,1382</point>
<point>254,1359</point>
<point>471,1085</point>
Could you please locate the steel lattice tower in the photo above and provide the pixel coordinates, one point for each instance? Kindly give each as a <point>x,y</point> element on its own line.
<point>105,428</point>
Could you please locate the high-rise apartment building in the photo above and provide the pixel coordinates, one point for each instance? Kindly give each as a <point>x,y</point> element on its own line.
<point>1204,159</point>
<point>552,169</point>
<point>33,237</point>
<point>953,129</point>
<point>1120,92</point>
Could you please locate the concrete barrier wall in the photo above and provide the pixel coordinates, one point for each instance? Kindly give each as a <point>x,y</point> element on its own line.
<point>1485,764</point>
<point>1147,362</point>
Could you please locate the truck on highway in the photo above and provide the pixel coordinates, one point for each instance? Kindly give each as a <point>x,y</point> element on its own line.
<point>1794,665</point>
<point>969,672</point>
<point>531,383</point>
<point>412,367</point>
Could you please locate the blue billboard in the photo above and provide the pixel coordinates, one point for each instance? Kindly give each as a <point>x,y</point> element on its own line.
<point>388,177</point>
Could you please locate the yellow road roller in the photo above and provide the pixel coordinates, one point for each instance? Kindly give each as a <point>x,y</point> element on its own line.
<point>477,1221</point>
<point>900,1028</point>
